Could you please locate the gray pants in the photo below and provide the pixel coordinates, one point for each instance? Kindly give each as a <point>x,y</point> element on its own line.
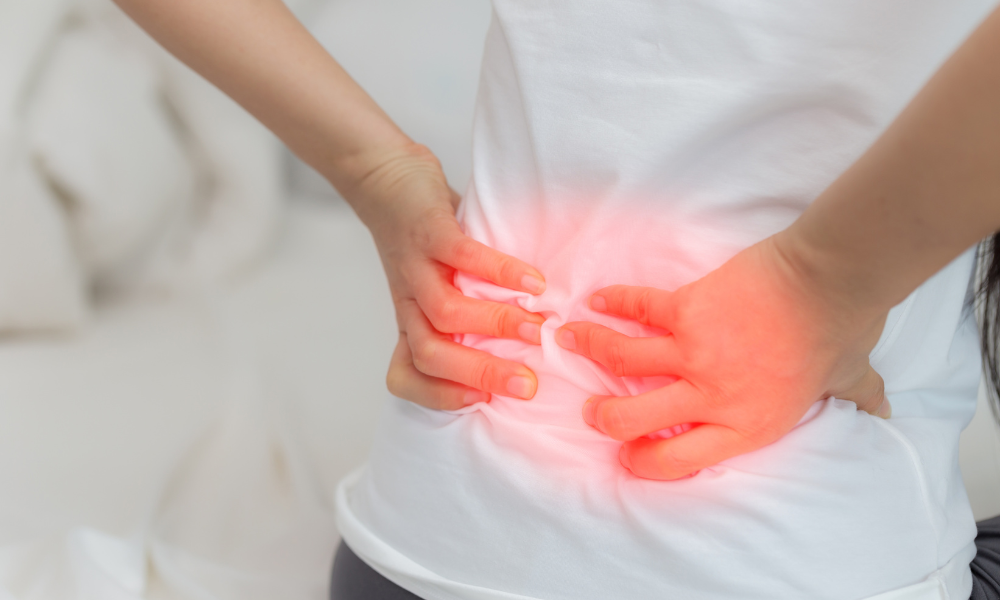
<point>986,565</point>
<point>354,580</point>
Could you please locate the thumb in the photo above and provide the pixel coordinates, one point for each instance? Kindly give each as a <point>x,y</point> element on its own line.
<point>869,394</point>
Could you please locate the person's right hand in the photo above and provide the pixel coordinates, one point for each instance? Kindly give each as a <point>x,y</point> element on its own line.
<point>407,205</point>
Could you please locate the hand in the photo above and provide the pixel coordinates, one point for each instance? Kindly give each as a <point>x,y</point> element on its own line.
<point>410,210</point>
<point>752,344</point>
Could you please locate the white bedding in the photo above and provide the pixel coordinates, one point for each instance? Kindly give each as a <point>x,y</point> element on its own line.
<point>201,435</point>
<point>120,169</point>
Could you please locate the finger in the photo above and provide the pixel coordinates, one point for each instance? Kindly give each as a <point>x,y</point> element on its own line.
<point>682,455</point>
<point>629,417</point>
<point>406,382</point>
<point>452,312</point>
<point>869,394</point>
<point>434,354</point>
<point>623,355</point>
<point>458,250</point>
<point>649,306</point>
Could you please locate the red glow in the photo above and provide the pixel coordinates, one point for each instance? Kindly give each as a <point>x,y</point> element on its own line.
<point>581,251</point>
<point>700,352</point>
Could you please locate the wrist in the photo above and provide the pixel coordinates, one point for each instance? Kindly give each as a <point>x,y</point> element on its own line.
<point>348,169</point>
<point>363,177</point>
<point>394,181</point>
<point>829,277</point>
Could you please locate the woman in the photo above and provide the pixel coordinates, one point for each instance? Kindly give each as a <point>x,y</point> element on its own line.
<point>737,185</point>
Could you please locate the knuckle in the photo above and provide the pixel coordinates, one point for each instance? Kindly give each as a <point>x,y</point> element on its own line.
<point>465,250</point>
<point>423,354</point>
<point>592,341</point>
<point>445,315</point>
<point>640,305</point>
<point>615,360</point>
<point>505,269</point>
<point>485,374</point>
<point>502,321</point>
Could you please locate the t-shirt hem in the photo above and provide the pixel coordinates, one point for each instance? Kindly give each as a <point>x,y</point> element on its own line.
<point>415,578</point>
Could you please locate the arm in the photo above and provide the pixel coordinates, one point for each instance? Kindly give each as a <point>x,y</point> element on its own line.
<point>928,189</point>
<point>792,320</point>
<point>259,54</point>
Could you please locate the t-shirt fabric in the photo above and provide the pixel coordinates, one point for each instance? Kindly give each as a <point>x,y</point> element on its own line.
<point>644,142</point>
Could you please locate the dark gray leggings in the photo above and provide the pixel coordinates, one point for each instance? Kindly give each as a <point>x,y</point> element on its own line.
<point>354,580</point>
<point>986,565</point>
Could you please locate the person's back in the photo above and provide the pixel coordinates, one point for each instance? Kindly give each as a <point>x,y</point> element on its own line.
<point>644,143</point>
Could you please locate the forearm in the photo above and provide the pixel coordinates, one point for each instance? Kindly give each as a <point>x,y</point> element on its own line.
<point>258,53</point>
<point>925,191</point>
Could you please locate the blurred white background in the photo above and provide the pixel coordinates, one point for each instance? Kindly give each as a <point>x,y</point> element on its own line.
<point>194,330</point>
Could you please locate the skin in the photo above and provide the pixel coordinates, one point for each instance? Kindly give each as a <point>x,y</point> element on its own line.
<point>261,56</point>
<point>751,350</point>
<point>792,319</point>
<point>818,292</point>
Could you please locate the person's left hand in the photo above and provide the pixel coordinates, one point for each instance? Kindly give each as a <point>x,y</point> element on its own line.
<point>752,344</point>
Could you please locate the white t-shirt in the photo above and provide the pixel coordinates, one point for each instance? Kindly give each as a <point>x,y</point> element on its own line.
<point>644,142</point>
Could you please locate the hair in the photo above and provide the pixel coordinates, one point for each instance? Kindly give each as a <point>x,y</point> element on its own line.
<point>987,306</point>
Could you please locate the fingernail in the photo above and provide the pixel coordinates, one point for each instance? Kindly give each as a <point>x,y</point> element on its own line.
<point>589,408</point>
<point>598,303</point>
<point>885,411</point>
<point>530,332</point>
<point>533,284</point>
<point>623,458</point>
<point>566,339</point>
<point>474,396</point>
<point>521,387</point>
